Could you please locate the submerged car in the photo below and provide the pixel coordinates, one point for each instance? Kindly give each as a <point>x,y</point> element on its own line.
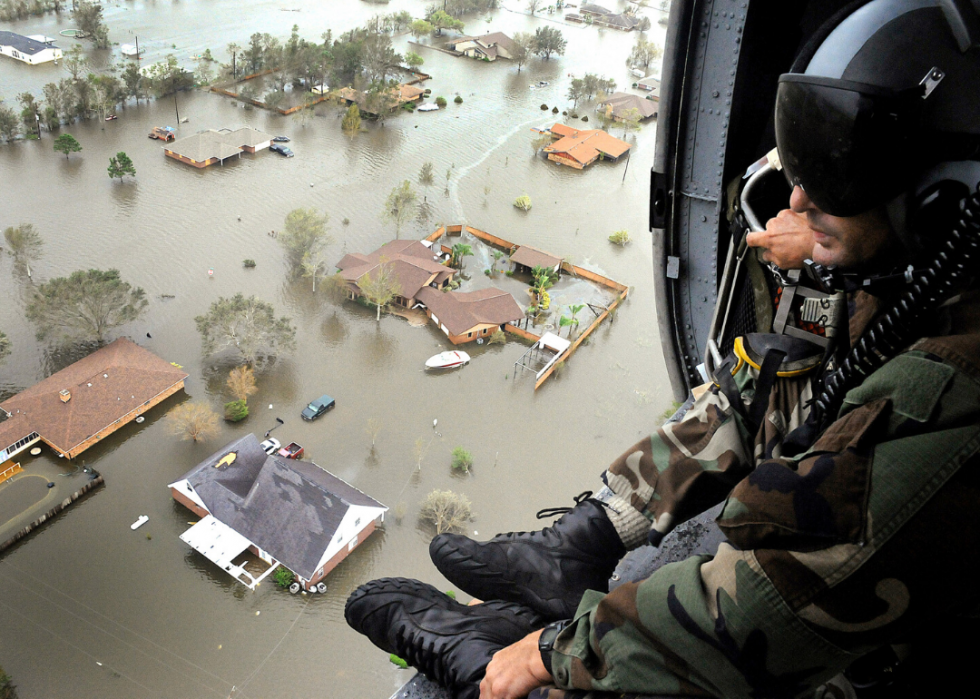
<point>318,407</point>
<point>281,139</point>
<point>281,150</point>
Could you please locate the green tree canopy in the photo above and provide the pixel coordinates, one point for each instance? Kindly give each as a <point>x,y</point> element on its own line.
<point>305,233</point>
<point>24,243</point>
<point>413,60</point>
<point>523,48</point>
<point>420,28</point>
<point>66,143</point>
<point>247,325</point>
<point>547,41</point>
<point>440,20</point>
<point>4,346</point>
<point>88,17</point>
<point>121,165</point>
<point>351,123</point>
<point>86,305</point>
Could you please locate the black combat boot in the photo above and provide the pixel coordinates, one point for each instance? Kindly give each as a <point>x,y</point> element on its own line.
<point>547,570</point>
<point>449,642</point>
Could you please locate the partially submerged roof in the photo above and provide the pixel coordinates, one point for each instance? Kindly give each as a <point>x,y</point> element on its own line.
<point>585,146</point>
<point>532,257</point>
<point>622,102</point>
<point>290,509</point>
<point>105,386</point>
<point>247,136</point>
<point>24,44</point>
<point>461,311</point>
<point>204,146</point>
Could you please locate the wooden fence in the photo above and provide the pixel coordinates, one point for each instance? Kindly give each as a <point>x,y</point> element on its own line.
<point>622,291</point>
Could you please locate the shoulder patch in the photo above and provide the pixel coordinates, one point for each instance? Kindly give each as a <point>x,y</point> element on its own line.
<point>914,385</point>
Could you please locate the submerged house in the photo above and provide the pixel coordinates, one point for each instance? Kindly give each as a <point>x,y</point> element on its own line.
<point>283,511</point>
<point>465,316</point>
<point>413,264</point>
<point>597,14</point>
<point>488,47</point>
<point>580,148</point>
<point>84,403</point>
<point>620,103</point>
<point>28,49</point>
<point>526,258</point>
<point>216,146</point>
<point>397,97</point>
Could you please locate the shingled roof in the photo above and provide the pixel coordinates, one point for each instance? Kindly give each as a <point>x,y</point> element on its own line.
<point>461,311</point>
<point>532,257</point>
<point>290,509</point>
<point>105,386</point>
<point>24,44</point>
<point>411,263</point>
<point>217,144</point>
<point>621,102</point>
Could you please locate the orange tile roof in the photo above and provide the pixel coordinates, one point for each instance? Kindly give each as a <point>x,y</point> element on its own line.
<point>585,146</point>
<point>105,386</point>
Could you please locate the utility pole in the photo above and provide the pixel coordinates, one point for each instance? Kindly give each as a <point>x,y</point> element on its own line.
<point>37,120</point>
<point>137,48</point>
<point>175,109</point>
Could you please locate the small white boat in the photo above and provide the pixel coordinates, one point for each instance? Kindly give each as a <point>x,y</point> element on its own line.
<point>143,519</point>
<point>430,107</point>
<point>447,360</point>
<point>130,51</point>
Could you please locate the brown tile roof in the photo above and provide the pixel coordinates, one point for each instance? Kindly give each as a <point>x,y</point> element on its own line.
<point>623,101</point>
<point>585,146</point>
<point>411,263</point>
<point>461,311</point>
<point>105,386</point>
<point>532,257</point>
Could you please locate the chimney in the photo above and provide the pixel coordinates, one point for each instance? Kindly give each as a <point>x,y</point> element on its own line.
<point>65,395</point>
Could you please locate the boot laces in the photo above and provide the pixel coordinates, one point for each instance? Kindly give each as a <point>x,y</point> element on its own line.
<point>555,511</point>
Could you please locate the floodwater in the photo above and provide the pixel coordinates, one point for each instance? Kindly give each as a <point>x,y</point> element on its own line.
<point>90,608</point>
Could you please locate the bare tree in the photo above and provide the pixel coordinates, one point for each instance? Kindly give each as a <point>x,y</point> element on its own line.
<point>241,383</point>
<point>446,511</point>
<point>523,48</point>
<point>314,264</point>
<point>195,421</point>
<point>400,205</point>
<point>25,244</point>
<point>373,428</point>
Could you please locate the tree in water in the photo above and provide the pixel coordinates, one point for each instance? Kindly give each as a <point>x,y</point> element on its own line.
<point>88,17</point>
<point>241,383</point>
<point>120,166</point>
<point>86,305</point>
<point>305,234</point>
<point>446,511</point>
<point>426,175</point>
<point>547,41</point>
<point>4,346</point>
<point>248,325</point>
<point>400,206</point>
<point>24,243</point>
<point>460,250</point>
<point>351,123</point>
<point>66,143</point>
<point>413,61</point>
<point>643,53</point>
<point>380,286</point>
<point>420,28</point>
<point>315,265</point>
<point>630,120</point>
<point>441,20</point>
<point>523,48</point>
<point>194,421</point>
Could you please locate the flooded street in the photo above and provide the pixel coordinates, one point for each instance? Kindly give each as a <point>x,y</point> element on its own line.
<point>92,609</point>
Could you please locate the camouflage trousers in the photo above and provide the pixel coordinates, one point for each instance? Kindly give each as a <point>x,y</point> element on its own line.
<point>687,467</point>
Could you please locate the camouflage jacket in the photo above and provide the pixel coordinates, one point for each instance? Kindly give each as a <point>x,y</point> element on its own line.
<point>860,541</point>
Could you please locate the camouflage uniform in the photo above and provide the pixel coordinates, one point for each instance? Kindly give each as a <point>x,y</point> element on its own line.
<point>854,544</point>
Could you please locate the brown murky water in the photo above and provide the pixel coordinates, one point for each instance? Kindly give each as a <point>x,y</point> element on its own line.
<point>91,609</point>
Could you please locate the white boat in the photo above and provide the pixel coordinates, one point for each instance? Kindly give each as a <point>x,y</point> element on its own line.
<point>430,107</point>
<point>143,519</point>
<point>447,360</point>
<point>130,50</point>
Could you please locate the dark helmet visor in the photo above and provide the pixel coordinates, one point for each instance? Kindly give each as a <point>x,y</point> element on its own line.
<point>846,144</point>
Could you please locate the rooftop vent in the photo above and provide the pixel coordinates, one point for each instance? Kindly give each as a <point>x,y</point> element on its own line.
<point>65,395</point>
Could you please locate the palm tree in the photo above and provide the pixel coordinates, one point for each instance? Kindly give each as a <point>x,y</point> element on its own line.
<point>571,320</point>
<point>460,250</point>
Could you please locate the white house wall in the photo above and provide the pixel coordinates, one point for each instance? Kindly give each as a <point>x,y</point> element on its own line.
<point>348,530</point>
<point>184,488</point>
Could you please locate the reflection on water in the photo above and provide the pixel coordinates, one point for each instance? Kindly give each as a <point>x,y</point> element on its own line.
<point>163,618</point>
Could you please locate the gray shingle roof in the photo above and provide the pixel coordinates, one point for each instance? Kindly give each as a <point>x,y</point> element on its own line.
<point>290,509</point>
<point>22,43</point>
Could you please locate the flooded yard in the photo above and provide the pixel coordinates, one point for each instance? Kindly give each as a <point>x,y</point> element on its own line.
<point>91,608</point>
